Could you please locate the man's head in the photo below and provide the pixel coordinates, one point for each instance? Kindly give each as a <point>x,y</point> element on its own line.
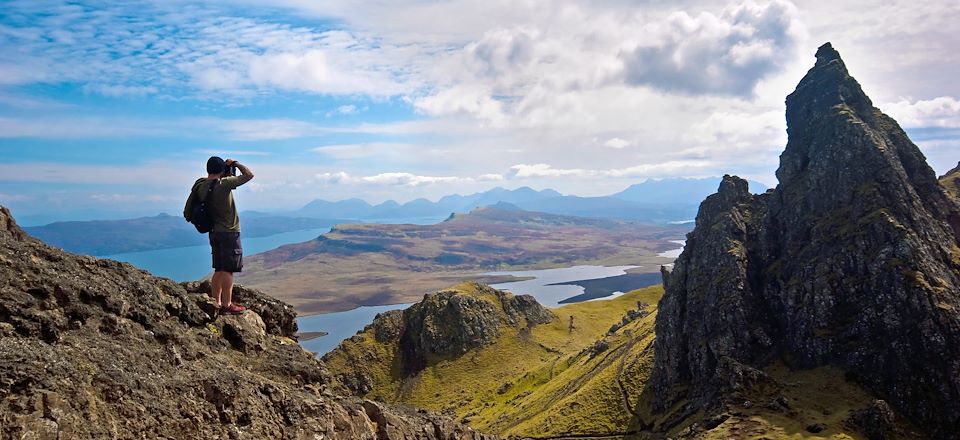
<point>215,165</point>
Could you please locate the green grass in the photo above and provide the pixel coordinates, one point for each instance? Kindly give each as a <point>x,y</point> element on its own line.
<point>951,183</point>
<point>536,382</point>
<point>545,383</point>
<point>820,395</point>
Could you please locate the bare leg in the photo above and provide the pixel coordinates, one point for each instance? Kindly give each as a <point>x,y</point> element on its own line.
<point>216,287</point>
<point>226,283</point>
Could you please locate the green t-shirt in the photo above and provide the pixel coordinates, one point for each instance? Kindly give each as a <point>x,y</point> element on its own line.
<point>222,207</point>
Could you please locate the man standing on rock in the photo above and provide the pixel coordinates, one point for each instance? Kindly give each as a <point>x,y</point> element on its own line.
<point>225,236</point>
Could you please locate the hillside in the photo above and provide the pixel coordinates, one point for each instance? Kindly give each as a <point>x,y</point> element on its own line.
<point>514,382</point>
<point>542,379</point>
<point>107,237</point>
<point>94,349</point>
<point>951,182</point>
<point>368,264</point>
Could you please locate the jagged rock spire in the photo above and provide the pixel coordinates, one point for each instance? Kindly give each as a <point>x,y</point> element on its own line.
<point>851,261</point>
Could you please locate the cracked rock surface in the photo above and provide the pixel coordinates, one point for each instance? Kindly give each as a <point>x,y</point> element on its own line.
<point>94,348</point>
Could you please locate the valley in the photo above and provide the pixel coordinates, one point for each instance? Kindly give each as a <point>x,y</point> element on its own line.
<point>375,264</point>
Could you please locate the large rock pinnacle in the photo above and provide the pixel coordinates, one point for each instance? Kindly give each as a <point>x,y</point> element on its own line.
<point>851,261</point>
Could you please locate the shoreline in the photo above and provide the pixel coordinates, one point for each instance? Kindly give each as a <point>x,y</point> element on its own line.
<point>306,336</point>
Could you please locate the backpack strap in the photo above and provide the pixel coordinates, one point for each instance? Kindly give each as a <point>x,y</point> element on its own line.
<point>209,190</point>
<point>204,197</point>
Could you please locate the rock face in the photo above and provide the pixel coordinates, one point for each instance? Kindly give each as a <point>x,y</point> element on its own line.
<point>450,322</point>
<point>99,349</point>
<point>851,261</point>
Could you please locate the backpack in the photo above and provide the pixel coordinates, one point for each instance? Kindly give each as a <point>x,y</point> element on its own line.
<point>200,214</point>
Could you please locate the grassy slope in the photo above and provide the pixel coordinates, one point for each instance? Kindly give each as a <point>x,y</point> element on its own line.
<point>539,383</point>
<point>951,182</point>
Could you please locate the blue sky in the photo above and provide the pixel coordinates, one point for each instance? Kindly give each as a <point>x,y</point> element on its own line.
<point>109,109</point>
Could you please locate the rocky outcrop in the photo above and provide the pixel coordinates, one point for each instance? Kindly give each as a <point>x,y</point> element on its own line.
<point>95,348</point>
<point>851,261</point>
<point>447,323</point>
<point>454,321</point>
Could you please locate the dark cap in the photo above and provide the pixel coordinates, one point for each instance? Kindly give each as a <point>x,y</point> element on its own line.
<point>215,165</point>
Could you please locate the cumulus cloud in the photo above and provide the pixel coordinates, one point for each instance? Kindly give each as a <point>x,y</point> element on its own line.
<point>571,95</point>
<point>941,112</point>
<point>725,54</point>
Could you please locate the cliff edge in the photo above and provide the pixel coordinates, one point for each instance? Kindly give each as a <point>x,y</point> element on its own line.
<point>94,348</point>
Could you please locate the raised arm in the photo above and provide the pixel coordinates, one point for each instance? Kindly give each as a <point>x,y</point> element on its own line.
<point>245,173</point>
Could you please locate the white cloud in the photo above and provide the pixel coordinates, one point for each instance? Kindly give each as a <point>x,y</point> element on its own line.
<point>177,49</point>
<point>942,111</point>
<point>490,177</point>
<point>558,92</point>
<point>333,178</point>
<point>408,179</point>
<point>616,143</point>
<point>469,100</point>
<point>523,171</point>
<point>662,169</point>
<point>706,53</point>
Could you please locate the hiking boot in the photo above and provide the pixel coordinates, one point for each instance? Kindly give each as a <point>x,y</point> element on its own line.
<point>232,309</point>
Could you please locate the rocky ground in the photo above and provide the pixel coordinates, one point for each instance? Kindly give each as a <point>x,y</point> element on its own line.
<point>95,348</point>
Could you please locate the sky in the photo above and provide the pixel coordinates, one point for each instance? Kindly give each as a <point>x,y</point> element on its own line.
<point>110,109</point>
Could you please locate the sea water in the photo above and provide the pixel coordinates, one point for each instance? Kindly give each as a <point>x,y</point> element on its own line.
<point>194,262</point>
<point>342,325</point>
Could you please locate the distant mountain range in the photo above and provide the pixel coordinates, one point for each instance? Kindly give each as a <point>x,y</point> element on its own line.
<point>655,201</point>
<point>107,237</point>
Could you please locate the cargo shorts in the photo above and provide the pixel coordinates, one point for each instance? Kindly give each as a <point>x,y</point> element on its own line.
<point>227,252</point>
